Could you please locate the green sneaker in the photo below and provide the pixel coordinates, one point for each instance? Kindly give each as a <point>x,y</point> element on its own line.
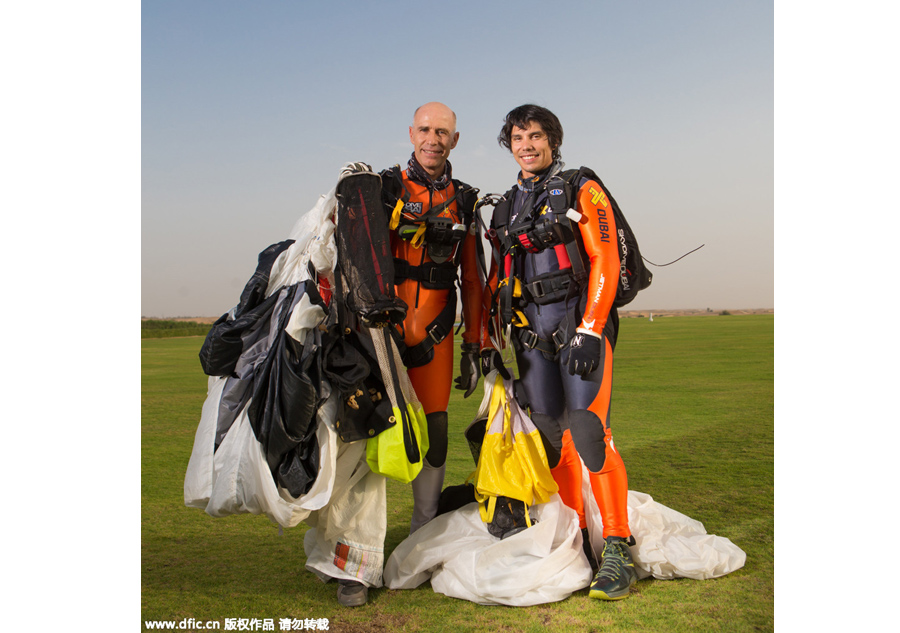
<point>617,573</point>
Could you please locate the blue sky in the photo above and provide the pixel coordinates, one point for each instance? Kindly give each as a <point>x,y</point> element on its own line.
<point>249,110</point>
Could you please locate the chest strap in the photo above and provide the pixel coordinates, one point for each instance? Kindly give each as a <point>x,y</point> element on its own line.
<point>550,287</point>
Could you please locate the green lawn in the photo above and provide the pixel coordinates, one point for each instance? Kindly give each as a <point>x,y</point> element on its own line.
<point>159,328</point>
<point>692,417</point>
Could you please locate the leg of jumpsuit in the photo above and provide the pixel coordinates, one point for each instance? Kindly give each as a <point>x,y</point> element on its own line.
<point>542,387</point>
<point>589,405</point>
<point>542,383</point>
<point>568,476</point>
<point>432,385</point>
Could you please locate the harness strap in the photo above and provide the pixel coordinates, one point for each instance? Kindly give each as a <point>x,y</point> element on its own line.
<point>429,274</point>
<point>419,354</point>
<point>550,287</point>
<point>529,339</point>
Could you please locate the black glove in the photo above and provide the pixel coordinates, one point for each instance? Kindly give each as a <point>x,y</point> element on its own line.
<point>584,354</point>
<point>468,369</point>
<point>491,359</point>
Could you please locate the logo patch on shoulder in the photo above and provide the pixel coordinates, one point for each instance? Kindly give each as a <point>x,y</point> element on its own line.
<point>598,197</point>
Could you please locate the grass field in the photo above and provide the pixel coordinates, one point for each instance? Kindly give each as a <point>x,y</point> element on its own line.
<point>161,328</point>
<point>693,420</point>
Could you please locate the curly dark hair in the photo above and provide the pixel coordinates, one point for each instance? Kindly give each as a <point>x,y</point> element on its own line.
<point>523,115</point>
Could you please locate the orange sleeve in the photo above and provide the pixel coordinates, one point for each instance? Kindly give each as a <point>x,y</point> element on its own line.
<point>598,231</point>
<point>471,288</point>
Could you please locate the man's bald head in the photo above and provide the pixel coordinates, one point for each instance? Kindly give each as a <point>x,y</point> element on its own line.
<point>435,108</point>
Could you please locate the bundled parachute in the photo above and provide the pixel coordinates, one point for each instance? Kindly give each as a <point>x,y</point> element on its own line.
<point>302,360</point>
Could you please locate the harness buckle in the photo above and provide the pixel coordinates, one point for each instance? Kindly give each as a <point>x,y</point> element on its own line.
<point>528,338</point>
<point>557,338</point>
<point>437,338</point>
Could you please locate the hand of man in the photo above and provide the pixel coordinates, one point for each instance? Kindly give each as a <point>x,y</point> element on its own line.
<point>584,354</point>
<point>468,369</point>
<point>491,359</point>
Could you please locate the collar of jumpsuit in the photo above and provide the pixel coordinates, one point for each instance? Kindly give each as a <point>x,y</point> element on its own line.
<point>535,182</point>
<point>418,173</point>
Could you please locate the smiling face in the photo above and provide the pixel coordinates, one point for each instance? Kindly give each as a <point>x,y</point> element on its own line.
<point>531,148</point>
<point>433,134</point>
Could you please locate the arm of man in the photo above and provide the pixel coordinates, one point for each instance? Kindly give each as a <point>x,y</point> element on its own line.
<point>472,287</point>
<point>598,231</point>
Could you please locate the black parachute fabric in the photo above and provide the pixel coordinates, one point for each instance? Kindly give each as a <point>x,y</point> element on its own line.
<point>365,263</point>
<point>509,517</point>
<point>223,345</point>
<point>255,339</point>
<point>364,409</point>
<point>239,341</point>
<point>284,400</point>
<point>268,368</point>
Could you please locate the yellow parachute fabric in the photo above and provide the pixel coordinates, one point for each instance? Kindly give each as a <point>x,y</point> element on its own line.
<point>512,461</point>
<point>386,452</point>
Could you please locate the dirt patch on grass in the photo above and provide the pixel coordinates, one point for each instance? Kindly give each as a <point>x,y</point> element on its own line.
<point>383,624</point>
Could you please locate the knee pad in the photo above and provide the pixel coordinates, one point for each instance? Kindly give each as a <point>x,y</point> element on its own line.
<point>589,437</point>
<point>551,435</point>
<point>437,438</point>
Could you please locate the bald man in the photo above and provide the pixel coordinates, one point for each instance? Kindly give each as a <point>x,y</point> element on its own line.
<point>434,242</point>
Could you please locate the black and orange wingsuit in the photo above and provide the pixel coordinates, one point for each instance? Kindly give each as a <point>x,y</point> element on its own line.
<point>434,243</point>
<point>553,307</point>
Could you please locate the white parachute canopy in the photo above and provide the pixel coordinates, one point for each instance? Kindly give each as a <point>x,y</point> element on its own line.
<point>236,478</point>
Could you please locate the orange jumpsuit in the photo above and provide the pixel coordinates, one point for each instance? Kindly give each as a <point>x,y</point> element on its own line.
<point>432,381</point>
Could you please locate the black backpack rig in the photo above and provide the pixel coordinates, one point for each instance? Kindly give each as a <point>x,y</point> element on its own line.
<point>558,226</point>
<point>554,226</point>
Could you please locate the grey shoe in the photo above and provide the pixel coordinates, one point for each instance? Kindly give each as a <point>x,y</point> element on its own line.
<point>617,573</point>
<point>351,593</point>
